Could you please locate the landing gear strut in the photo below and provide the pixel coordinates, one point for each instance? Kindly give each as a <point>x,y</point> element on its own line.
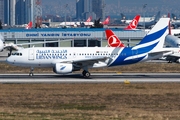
<point>31,72</point>
<point>86,74</point>
<point>9,54</point>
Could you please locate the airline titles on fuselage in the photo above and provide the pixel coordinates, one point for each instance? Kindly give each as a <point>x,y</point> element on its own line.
<point>62,54</point>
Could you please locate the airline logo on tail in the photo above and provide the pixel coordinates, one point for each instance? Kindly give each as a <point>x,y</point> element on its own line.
<point>89,20</point>
<point>29,26</point>
<point>113,41</point>
<point>134,23</point>
<point>106,21</point>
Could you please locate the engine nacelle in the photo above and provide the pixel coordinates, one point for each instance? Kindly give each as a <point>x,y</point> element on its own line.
<point>63,68</point>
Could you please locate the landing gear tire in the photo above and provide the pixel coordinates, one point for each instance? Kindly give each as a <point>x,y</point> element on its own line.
<point>31,73</point>
<point>86,74</point>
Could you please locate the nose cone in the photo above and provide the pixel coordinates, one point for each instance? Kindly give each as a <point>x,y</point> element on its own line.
<point>9,60</point>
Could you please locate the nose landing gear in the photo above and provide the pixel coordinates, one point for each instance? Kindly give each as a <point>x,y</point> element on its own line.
<point>31,72</point>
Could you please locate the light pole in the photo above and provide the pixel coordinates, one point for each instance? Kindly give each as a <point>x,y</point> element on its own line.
<point>104,5</point>
<point>65,13</point>
<point>144,6</point>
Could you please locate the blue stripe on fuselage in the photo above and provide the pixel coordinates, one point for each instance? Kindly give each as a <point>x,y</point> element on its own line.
<point>128,52</point>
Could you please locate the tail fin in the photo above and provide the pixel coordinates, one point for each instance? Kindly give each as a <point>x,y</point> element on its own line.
<point>157,17</point>
<point>174,16</point>
<point>29,25</point>
<point>134,23</point>
<point>155,38</point>
<point>89,20</point>
<point>122,16</point>
<point>169,24</point>
<point>113,41</point>
<point>106,21</point>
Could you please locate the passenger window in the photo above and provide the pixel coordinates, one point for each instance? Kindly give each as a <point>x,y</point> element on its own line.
<point>17,54</point>
<point>20,54</point>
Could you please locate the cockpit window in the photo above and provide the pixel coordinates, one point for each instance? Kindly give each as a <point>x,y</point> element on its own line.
<point>17,54</point>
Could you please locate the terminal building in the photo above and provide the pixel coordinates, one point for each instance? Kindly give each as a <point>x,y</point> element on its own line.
<point>69,37</point>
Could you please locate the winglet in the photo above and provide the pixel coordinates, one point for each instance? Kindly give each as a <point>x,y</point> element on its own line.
<point>134,23</point>
<point>113,41</point>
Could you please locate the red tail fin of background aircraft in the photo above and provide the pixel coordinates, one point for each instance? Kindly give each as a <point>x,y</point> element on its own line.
<point>113,41</point>
<point>29,25</point>
<point>134,23</point>
<point>169,24</point>
<point>89,20</point>
<point>106,21</point>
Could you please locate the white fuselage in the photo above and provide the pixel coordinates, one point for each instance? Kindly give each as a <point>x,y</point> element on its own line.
<point>48,57</point>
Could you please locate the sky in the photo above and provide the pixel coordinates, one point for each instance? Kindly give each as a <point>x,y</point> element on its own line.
<point>115,7</point>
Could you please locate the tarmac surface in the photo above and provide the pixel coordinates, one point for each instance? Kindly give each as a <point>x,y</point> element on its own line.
<point>95,78</point>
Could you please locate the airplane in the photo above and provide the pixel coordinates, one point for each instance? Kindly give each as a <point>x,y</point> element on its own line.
<point>66,60</point>
<point>150,23</point>
<point>175,21</point>
<point>29,25</point>
<point>172,41</point>
<point>75,24</point>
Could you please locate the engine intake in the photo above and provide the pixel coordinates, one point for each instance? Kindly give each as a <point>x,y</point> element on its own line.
<point>63,68</point>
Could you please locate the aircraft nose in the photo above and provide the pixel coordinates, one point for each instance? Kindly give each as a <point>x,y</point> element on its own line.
<point>9,60</point>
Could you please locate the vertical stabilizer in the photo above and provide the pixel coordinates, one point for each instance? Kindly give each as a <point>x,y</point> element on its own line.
<point>134,23</point>
<point>89,20</point>
<point>155,38</point>
<point>113,40</point>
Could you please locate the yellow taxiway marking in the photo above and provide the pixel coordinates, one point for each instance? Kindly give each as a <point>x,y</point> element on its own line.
<point>119,73</point>
<point>126,82</point>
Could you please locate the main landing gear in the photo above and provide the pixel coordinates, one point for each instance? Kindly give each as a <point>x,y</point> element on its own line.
<point>86,74</point>
<point>31,72</point>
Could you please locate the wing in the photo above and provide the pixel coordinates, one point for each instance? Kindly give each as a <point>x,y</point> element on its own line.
<point>84,62</point>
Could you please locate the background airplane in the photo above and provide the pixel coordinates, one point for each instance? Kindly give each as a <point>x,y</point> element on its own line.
<point>67,60</point>
<point>175,21</point>
<point>149,24</point>
<point>75,24</point>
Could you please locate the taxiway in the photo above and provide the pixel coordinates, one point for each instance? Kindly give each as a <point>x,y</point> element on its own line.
<point>95,78</point>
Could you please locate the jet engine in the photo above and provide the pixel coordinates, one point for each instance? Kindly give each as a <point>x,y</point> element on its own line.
<point>63,68</point>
